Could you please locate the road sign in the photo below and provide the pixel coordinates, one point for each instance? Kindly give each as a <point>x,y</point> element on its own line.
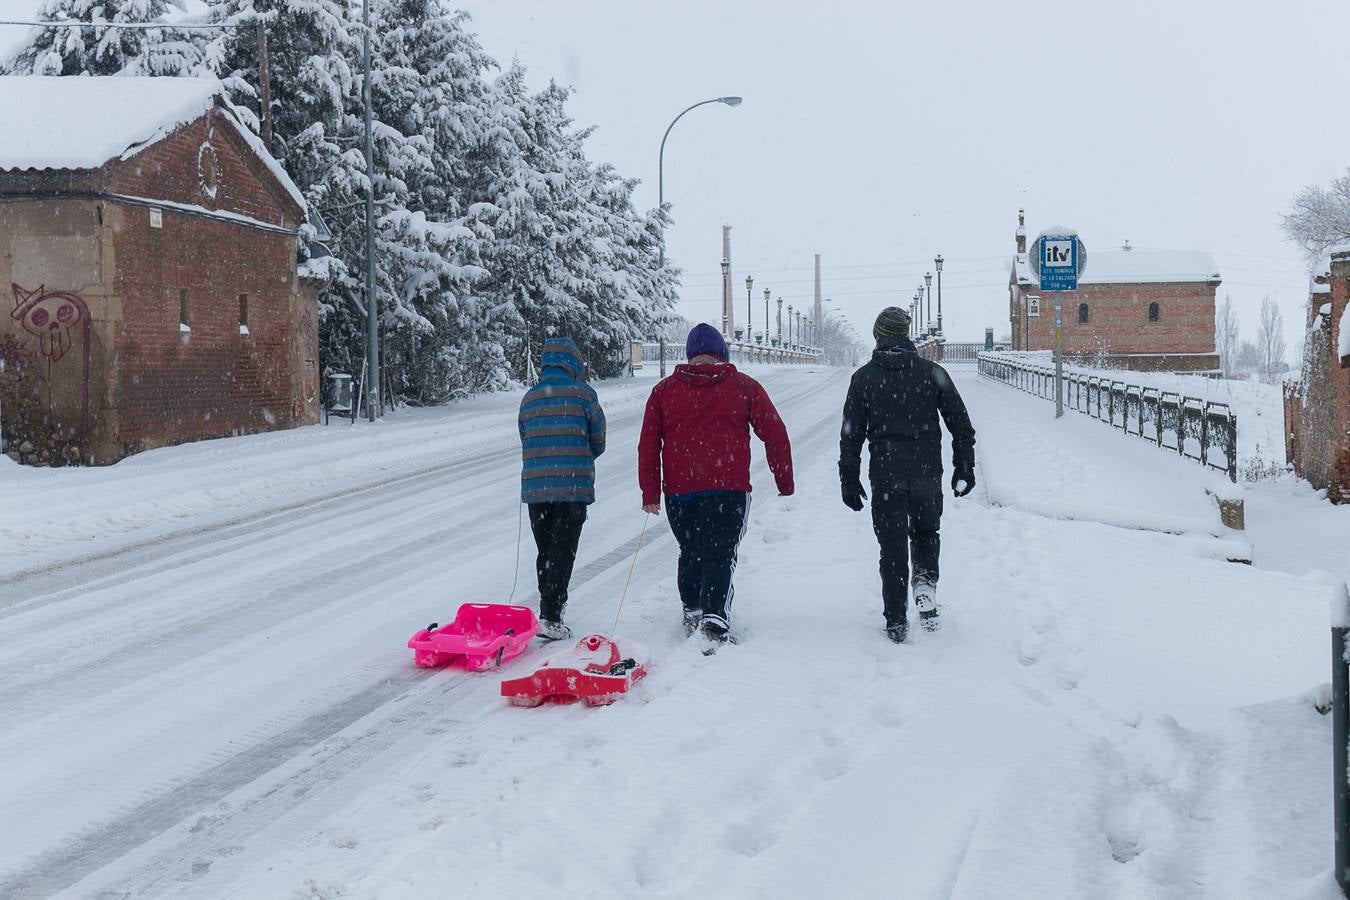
<point>1059,262</point>
<point>1058,259</point>
<point>1034,307</point>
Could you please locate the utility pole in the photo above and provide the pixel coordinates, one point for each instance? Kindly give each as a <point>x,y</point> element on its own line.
<point>373,397</point>
<point>264,89</point>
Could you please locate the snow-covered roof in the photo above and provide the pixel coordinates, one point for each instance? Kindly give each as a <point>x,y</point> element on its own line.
<point>83,122</point>
<point>1136,266</point>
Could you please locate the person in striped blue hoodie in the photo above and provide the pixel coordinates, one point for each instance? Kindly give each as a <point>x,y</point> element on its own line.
<point>562,431</point>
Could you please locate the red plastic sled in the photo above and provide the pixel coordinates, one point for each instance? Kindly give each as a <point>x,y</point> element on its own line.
<point>483,636</point>
<point>598,671</point>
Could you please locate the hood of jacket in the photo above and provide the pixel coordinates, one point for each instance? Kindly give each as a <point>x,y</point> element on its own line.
<point>896,354</point>
<point>704,374</point>
<point>562,359</point>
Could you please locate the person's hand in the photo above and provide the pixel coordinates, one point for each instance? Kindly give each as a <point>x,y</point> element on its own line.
<point>854,495</point>
<point>963,480</point>
<point>652,509</point>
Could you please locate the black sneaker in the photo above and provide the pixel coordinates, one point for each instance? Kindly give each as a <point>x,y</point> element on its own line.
<point>715,630</point>
<point>898,632</point>
<point>692,618</point>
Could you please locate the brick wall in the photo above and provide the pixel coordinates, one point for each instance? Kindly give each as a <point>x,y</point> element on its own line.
<point>1118,321</point>
<point>213,380</point>
<point>1317,408</point>
<point>205,164</point>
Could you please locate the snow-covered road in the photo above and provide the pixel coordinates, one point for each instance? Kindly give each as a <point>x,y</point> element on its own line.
<point>206,693</point>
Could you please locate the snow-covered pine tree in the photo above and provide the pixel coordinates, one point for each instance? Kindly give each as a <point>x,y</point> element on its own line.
<point>103,50</point>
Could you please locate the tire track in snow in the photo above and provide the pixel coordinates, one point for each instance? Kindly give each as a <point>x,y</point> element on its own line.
<point>103,844</point>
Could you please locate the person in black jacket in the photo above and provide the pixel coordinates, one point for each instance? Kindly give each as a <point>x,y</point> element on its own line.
<point>893,403</point>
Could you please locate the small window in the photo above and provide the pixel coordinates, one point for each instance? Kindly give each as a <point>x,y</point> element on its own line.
<point>1154,313</point>
<point>184,324</point>
<point>1083,314</point>
<point>243,313</point>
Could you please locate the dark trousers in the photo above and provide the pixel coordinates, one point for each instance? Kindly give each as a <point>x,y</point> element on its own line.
<point>906,516</point>
<point>557,532</point>
<point>709,529</point>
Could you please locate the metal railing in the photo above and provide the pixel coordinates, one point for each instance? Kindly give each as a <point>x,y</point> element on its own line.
<point>740,351</point>
<point>1189,426</point>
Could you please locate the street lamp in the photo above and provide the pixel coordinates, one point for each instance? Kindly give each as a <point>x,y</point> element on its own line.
<point>928,290</point>
<point>766,315</point>
<point>749,316</point>
<point>780,321</point>
<point>661,161</point>
<point>790,344</point>
<point>726,291</point>
<point>937,261</point>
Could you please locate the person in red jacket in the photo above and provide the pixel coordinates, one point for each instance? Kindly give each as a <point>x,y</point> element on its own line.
<point>695,447</point>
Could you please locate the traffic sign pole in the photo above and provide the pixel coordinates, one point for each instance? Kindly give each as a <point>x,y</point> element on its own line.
<point>1059,355</point>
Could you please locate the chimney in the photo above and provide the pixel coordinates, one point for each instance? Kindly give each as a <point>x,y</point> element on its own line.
<point>1022,232</point>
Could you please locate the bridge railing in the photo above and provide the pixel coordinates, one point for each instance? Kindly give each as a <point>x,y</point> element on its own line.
<point>740,351</point>
<point>1197,429</point>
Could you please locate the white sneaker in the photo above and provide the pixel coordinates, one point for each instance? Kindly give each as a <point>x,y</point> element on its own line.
<point>925,601</point>
<point>554,631</point>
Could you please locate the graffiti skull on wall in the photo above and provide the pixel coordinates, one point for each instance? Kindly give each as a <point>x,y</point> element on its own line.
<point>49,316</point>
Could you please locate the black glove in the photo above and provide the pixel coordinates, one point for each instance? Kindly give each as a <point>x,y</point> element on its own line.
<point>854,495</point>
<point>963,479</point>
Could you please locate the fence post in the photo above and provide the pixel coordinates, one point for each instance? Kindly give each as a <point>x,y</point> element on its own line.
<point>1340,738</point>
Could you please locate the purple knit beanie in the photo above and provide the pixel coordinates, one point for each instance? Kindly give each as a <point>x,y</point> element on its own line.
<point>705,339</point>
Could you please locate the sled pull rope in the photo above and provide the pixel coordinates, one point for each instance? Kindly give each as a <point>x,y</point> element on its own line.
<point>624,596</point>
<point>520,530</point>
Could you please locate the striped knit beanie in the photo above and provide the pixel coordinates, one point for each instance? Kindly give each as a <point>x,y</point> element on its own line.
<point>892,323</point>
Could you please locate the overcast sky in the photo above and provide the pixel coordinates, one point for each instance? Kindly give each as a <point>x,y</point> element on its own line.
<point>878,134</point>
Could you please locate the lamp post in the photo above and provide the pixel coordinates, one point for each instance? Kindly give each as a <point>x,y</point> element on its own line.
<point>928,290</point>
<point>749,315</point>
<point>766,317</point>
<point>937,262</point>
<point>790,325</point>
<point>780,321</point>
<point>661,161</point>
<point>726,292</point>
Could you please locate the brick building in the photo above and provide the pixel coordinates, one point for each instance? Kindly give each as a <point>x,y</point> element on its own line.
<point>1151,310</point>
<point>1317,406</point>
<point>148,254</point>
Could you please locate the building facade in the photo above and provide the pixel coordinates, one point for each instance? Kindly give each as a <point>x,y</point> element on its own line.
<point>1317,406</point>
<point>148,245</point>
<point>1150,310</point>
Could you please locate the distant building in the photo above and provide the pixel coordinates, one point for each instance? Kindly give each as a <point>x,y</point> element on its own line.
<point>148,258</point>
<point>1151,310</point>
<point>1317,406</point>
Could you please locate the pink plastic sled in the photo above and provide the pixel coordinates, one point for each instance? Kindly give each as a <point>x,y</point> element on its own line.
<point>598,670</point>
<point>483,636</point>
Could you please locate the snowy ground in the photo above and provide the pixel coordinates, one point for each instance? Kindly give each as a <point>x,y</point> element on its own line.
<point>206,691</point>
